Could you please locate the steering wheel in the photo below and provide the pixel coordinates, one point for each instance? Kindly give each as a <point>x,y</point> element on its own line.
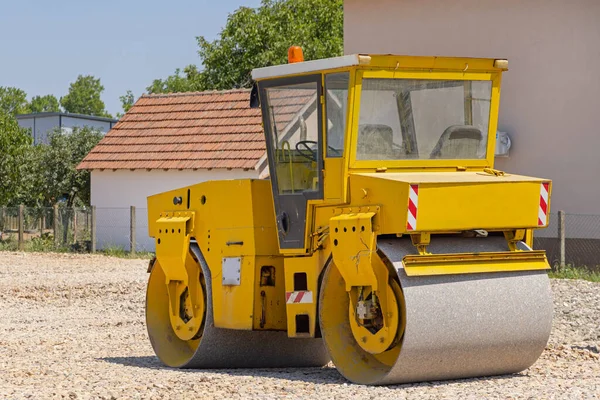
<point>303,146</point>
<point>304,149</point>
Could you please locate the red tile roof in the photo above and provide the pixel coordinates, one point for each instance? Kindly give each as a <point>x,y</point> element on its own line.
<point>183,131</point>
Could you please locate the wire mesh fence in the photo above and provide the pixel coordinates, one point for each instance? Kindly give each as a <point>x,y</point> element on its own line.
<point>570,239</point>
<point>45,228</point>
<point>74,229</point>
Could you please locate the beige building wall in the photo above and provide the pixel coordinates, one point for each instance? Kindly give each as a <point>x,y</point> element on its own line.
<point>550,103</point>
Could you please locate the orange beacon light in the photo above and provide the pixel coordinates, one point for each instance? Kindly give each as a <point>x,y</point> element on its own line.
<point>295,54</point>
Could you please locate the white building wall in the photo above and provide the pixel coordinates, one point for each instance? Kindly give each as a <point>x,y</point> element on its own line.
<point>114,192</point>
<point>550,96</point>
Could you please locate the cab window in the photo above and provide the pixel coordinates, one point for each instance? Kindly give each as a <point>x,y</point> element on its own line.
<point>336,100</point>
<point>294,134</point>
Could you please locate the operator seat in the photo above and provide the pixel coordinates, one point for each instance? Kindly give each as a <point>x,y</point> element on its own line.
<point>375,141</point>
<point>458,141</point>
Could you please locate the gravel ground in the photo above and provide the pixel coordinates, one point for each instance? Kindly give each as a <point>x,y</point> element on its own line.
<point>72,326</point>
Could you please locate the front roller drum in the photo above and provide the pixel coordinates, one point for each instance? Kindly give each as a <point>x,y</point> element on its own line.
<point>211,347</point>
<point>454,326</point>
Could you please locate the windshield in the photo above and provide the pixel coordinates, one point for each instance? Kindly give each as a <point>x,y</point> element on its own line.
<point>407,119</point>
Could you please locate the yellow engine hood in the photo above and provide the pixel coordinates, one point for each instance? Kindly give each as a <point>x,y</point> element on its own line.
<point>452,201</point>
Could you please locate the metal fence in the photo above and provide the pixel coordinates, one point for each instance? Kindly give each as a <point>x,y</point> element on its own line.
<point>570,239</point>
<point>74,229</point>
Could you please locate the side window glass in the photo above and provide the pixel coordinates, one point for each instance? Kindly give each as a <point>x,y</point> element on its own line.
<point>336,100</point>
<point>294,120</point>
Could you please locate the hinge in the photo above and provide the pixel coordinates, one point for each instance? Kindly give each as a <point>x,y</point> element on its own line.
<point>319,237</point>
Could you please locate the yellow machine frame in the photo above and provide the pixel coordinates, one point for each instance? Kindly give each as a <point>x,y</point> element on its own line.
<point>361,201</point>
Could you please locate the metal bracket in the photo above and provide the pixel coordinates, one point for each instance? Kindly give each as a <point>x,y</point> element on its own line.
<point>421,241</point>
<point>513,237</point>
<point>353,243</point>
<point>173,243</point>
<point>319,237</point>
<point>231,271</point>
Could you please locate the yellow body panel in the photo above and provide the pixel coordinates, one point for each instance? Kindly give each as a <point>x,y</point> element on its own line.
<point>233,219</point>
<point>451,201</point>
<point>335,184</point>
<point>311,268</point>
<point>269,294</point>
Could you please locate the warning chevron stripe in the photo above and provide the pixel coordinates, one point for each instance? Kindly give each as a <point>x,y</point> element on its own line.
<point>543,209</point>
<point>304,296</point>
<point>413,205</point>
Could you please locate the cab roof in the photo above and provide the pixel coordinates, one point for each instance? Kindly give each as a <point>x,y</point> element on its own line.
<point>381,61</point>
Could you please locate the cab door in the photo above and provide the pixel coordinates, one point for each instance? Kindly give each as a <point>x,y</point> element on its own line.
<point>292,120</point>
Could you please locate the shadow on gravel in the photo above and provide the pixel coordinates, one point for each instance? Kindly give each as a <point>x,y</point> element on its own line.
<point>327,375</point>
<point>142,362</point>
<point>324,375</point>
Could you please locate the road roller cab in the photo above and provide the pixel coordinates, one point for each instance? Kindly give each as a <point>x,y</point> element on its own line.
<point>384,238</point>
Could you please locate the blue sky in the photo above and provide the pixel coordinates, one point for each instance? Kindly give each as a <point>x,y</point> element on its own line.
<point>45,45</point>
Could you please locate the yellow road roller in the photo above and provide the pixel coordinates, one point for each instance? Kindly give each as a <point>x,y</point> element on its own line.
<point>383,239</point>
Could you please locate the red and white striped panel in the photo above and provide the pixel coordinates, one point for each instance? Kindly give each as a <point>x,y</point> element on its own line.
<point>413,205</point>
<point>543,209</point>
<point>299,297</point>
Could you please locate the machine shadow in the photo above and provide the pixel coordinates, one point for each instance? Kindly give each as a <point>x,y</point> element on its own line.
<point>322,375</point>
<point>326,375</point>
<point>150,362</point>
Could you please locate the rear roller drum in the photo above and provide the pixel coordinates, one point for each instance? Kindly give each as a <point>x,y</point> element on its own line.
<point>449,326</point>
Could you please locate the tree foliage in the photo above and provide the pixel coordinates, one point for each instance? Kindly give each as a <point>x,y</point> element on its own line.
<point>84,97</point>
<point>260,37</point>
<point>59,179</point>
<point>188,82</point>
<point>13,101</point>
<point>127,101</point>
<point>48,103</point>
<point>15,149</point>
<point>44,174</point>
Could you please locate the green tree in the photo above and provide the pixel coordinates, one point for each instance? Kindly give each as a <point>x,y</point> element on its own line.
<point>13,101</point>
<point>48,103</point>
<point>15,149</point>
<point>59,177</point>
<point>188,82</point>
<point>260,37</point>
<point>84,97</point>
<point>127,101</point>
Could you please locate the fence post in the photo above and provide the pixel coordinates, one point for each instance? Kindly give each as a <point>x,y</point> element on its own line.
<point>74,210</point>
<point>132,230</point>
<point>3,218</point>
<point>93,229</point>
<point>21,230</point>
<point>42,222</point>
<point>55,224</point>
<point>562,238</point>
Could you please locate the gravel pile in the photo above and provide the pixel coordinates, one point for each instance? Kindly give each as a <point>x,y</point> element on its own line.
<point>72,326</point>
